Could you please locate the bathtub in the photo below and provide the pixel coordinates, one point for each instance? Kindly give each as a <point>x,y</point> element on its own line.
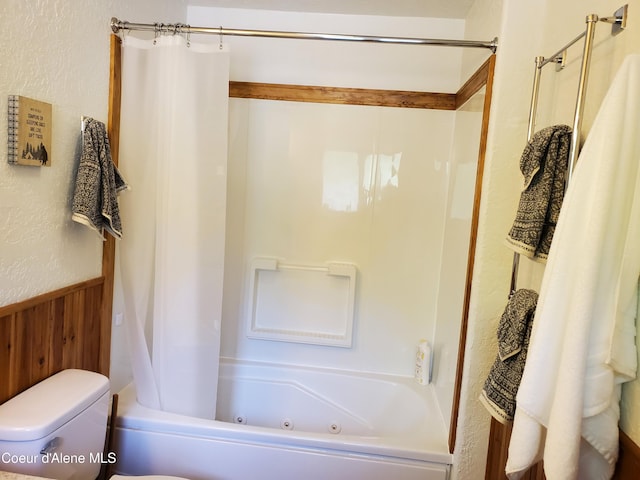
<point>278,422</point>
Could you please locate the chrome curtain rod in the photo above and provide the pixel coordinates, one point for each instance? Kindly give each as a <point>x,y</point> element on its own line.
<point>179,28</point>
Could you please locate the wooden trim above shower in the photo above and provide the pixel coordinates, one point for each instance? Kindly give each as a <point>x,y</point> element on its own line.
<point>475,82</point>
<point>109,246</point>
<point>363,96</point>
<point>343,96</point>
<point>482,77</point>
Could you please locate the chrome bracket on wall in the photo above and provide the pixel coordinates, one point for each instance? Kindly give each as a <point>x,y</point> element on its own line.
<point>560,60</point>
<point>618,21</point>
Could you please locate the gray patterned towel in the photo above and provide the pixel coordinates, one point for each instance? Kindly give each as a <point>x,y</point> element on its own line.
<point>98,182</point>
<point>544,165</point>
<point>501,386</point>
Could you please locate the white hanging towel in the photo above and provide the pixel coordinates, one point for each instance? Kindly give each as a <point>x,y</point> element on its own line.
<point>582,345</point>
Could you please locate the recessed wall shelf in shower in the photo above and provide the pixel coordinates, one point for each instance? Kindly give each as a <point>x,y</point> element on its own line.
<point>311,304</point>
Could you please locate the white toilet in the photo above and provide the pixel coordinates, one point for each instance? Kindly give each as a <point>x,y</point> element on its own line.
<point>56,429</point>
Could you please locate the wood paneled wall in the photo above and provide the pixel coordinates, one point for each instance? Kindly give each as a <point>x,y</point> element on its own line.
<point>628,467</point>
<point>49,333</point>
<point>499,437</point>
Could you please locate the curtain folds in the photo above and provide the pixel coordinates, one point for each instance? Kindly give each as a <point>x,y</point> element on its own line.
<point>173,154</point>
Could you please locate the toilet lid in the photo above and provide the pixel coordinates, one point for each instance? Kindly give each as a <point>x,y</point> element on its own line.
<point>145,477</point>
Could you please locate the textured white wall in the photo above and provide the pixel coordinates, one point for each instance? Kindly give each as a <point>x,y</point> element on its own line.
<point>56,51</point>
<point>526,29</point>
<point>491,269</point>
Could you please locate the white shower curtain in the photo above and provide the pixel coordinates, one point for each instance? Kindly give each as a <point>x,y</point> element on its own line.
<point>173,153</point>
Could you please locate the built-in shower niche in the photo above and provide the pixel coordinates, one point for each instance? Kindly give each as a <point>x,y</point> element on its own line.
<point>312,304</point>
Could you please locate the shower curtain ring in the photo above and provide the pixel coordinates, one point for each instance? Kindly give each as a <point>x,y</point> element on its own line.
<point>220,39</point>
<point>188,35</point>
<point>156,32</point>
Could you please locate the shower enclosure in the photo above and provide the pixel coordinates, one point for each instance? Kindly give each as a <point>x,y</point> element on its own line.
<point>333,237</point>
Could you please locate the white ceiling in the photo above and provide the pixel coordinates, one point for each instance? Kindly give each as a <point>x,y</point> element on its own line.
<point>398,8</point>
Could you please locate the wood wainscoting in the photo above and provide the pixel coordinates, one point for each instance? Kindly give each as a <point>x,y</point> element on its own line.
<point>51,332</point>
<point>627,468</point>
<point>499,437</point>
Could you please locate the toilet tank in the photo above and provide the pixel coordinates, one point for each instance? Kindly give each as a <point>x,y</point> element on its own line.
<point>56,429</point>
